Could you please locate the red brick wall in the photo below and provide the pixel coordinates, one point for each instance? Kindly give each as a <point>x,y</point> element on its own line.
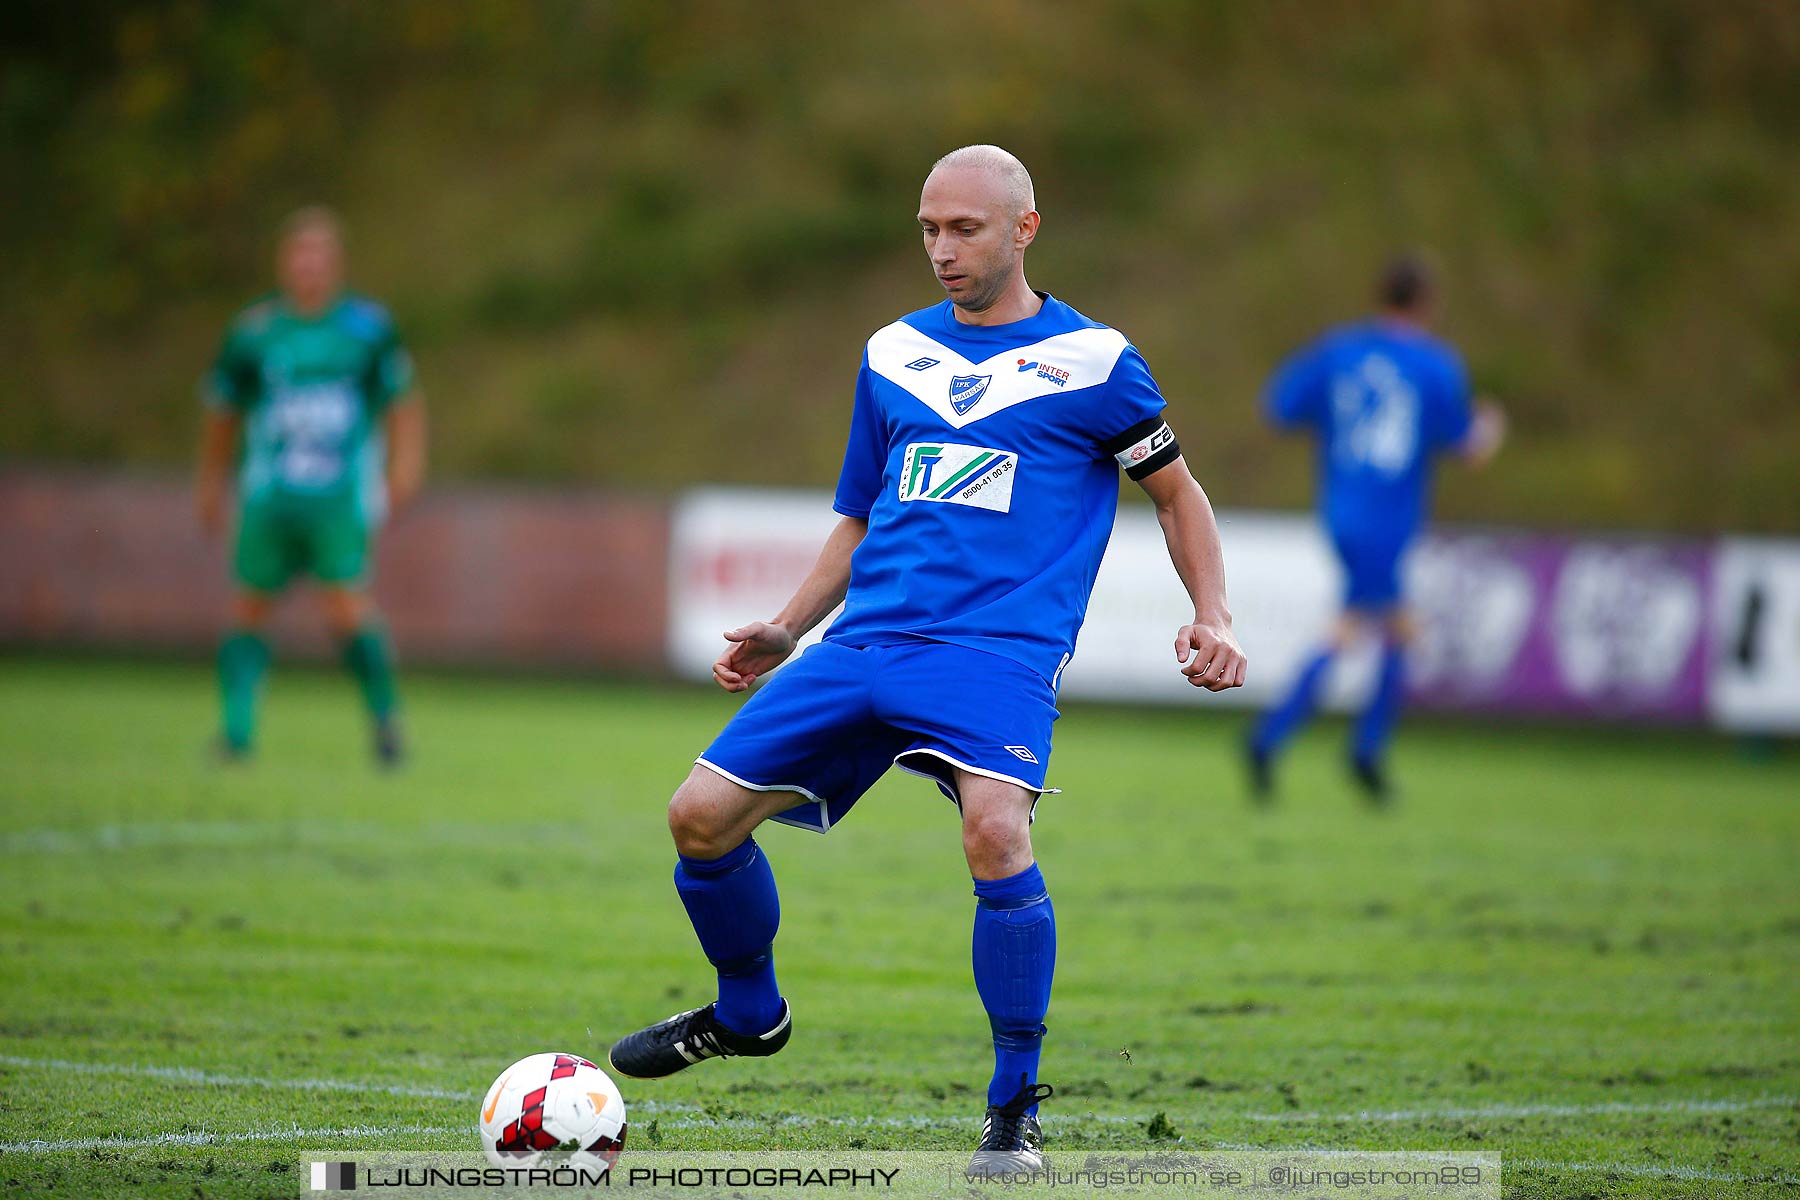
<point>518,577</point>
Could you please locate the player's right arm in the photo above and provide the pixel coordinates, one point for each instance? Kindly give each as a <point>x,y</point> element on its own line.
<point>761,646</point>
<point>218,446</point>
<point>224,392</point>
<point>1295,398</point>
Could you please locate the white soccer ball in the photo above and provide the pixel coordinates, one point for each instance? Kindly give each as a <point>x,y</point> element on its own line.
<point>551,1103</point>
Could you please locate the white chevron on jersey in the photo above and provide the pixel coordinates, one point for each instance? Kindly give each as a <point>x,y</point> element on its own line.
<point>1086,355</point>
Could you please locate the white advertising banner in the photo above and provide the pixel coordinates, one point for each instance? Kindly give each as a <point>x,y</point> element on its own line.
<point>1756,612</point>
<point>1603,627</point>
<point>1284,584</point>
<point>737,554</point>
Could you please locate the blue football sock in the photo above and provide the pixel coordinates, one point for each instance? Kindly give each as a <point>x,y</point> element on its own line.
<point>1376,725</point>
<point>1015,956</point>
<point>1283,721</point>
<point>735,910</point>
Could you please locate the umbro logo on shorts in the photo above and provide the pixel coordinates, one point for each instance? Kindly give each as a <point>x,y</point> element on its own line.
<point>946,473</point>
<point>1020,752</point>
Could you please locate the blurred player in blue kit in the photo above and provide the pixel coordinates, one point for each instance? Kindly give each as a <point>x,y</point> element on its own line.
<point>976,499</point>
<point>1382,398</point>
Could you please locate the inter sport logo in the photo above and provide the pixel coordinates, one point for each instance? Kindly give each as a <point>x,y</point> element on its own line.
<point>966,391</point>
<point>945,473</point>
<point>1046,371</point>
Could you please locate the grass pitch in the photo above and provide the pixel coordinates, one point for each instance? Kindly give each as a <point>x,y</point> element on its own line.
<point>1580,949</point>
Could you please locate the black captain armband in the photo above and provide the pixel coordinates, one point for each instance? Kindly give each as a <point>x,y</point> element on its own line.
<point>1145,448</point>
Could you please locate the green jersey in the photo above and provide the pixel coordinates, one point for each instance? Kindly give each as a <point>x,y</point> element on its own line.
<point>312,391</point>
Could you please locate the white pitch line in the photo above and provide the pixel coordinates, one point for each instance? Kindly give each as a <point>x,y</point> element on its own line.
<point>1532,1110</point>
<point>694,1116</point>
<point>193,1075</point>
<point>292,1134</point>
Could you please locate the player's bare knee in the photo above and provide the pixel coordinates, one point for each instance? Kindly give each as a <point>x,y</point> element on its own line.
<point>703,818</point>
<point>692,824</point>
<point>995,838</point>
<point>250,610</point>
<point>345,610</point>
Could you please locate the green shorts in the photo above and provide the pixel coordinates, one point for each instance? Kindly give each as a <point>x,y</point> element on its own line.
<point>276,541</point>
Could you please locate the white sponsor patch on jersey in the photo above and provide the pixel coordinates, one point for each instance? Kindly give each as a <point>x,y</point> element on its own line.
<point>962,391</point>
<point>946,473</point>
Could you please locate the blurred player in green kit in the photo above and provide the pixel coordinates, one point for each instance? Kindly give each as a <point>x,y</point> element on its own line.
<point>311,398</point>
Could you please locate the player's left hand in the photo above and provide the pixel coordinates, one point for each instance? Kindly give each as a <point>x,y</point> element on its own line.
<point>756,649</point>
<point>400,496</point>
<point>1210,656</point>
<point>209,504</point>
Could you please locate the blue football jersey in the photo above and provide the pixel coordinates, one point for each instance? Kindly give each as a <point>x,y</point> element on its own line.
<point>986,461</point>
<point>1383,399</point>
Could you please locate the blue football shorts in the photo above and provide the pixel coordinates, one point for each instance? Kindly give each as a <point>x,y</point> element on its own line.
<point>1372,568</point>
<point>831,723</point>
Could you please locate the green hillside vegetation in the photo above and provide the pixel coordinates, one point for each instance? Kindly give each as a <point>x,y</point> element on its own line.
<point>641,245</point>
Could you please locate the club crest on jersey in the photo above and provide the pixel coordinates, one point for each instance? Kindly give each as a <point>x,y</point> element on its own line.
<point>966,391</point>
<point>946,473</point>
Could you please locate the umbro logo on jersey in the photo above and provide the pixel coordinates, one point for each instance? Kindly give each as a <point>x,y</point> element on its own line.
<point>921,364</point>
<point>1046,371</point>
<point>945,473</point>
<point>966,391</point>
